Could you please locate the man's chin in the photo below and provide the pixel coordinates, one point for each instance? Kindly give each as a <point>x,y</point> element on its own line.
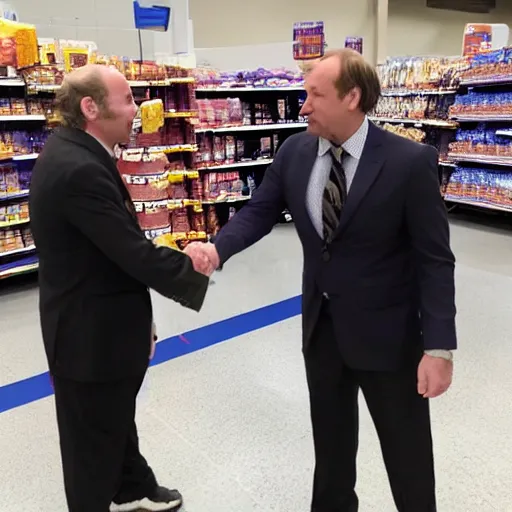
<point>313,130</point>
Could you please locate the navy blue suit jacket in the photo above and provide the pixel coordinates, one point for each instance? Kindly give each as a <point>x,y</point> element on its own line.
<point>389,271</point>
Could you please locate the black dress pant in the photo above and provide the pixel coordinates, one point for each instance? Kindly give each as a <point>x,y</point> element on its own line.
<point>99,444</point>
<point>401,417</point>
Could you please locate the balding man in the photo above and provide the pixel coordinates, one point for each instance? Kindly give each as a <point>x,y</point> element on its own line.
<point>378,281</point>
<point>96,268</point>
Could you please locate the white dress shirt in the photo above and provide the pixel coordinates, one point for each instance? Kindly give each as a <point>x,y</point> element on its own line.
<point>352,151</point>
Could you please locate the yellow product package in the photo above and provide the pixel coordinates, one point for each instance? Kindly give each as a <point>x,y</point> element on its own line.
<point>18,44</point>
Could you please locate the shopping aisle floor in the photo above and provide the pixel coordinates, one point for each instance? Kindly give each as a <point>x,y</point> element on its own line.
<point>229,424</point>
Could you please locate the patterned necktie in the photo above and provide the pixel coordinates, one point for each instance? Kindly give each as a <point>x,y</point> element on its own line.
<point>335,195</point>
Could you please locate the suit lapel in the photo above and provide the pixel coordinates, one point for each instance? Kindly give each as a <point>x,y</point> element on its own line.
<point>370,165</point>
<point>306,158</point>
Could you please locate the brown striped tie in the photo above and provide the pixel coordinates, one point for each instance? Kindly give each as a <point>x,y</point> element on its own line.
<point>335,195</point>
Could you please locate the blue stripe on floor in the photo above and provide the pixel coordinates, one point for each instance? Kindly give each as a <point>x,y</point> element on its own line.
<point>37,387</point>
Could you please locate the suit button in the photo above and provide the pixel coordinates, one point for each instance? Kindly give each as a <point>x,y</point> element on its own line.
<point>326,256</point>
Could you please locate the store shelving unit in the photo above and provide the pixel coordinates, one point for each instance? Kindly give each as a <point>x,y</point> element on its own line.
<point>257,120</point>
<point>482,151</point>
<point>22,135</point>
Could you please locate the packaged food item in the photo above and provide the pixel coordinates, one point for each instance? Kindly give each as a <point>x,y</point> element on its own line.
<point>152,115</point>
<point>180,222</point>
<point>219,150</point>
<point>11,180</point>
<point>18,44</point>
<point>144,188</point>
<point>152,214</point>
<point>230,149</point>
<point>212,221</point>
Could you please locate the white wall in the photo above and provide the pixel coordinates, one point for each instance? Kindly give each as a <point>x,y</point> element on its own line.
<point>107,22</point>
<point>259,33</point>
<point>415,30</point>
<point>221,28</point>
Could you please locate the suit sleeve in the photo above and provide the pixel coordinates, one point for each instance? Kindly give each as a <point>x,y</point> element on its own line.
<point>95,206</point>
<point>258,217</point>
<point>427,224</point>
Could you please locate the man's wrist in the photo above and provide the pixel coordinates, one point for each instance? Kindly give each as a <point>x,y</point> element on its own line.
<point>441,353</point>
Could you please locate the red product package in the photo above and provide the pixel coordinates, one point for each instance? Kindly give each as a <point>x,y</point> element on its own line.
<point>180,222</point>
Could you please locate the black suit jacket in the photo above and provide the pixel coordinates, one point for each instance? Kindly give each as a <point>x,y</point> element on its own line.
<point>96,265</point>
<point>389,271</point>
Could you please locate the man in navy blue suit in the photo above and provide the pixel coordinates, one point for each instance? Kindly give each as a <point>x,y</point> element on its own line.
<point>378,280</point>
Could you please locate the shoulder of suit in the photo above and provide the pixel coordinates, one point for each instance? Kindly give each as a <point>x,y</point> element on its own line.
<point>298,139</point>
<point>65,155</point>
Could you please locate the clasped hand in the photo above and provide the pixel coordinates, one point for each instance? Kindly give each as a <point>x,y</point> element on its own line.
<point>204,257</point>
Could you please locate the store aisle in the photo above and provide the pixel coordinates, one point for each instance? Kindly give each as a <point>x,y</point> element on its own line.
<point>229,424</point>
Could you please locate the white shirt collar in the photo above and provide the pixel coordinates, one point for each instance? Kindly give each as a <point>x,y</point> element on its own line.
<point>353,146</point>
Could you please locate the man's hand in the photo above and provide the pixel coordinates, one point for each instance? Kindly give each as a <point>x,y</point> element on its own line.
<point>434,376</point>
<point>204,257</point>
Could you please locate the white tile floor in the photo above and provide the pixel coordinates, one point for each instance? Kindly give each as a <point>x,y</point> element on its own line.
<point>229,425</point>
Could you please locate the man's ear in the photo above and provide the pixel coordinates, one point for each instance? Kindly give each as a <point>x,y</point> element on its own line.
<point>354,96</point>
<point>89,108</point>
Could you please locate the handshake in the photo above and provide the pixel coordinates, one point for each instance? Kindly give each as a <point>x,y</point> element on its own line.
<point>204,257</point>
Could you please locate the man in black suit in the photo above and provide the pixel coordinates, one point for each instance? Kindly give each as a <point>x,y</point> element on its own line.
<point>96,268</point>
<point>378,280</point>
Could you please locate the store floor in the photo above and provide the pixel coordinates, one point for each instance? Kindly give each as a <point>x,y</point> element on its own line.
<point>229,424</point>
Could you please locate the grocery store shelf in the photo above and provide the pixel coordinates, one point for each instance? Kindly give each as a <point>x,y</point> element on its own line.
<point>250,163</point>
<point>504,133</point>
<point>133,83</point>
<point>11,82</point>
<point>31,156</point>
<point>469,118</point>
<point>479,204</point>
<point>19,267</point>
<point>487,80</point>
<point>26,117</point>
<point>178,115</point>
<point>165,149</point>
<point>18,251</point>
<point>161,83</point>
<point>255,127</point>
<point>11,224</point>
<point>416,122</point>
<point>249,89</point>
<point>18,195</point>
<point>417,92</point>
<point>481,159</point>
<point>43,87</point>
<point>237,199</point>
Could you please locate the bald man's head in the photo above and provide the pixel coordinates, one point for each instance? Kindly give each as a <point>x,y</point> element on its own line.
<point>97,99</point>
<point>88,81</point>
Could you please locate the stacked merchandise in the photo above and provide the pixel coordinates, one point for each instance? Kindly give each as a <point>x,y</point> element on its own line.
<point>209,78</point>
<point>482,149</point>
<point>158,168</point>
<point>490,67</point>
<point>15,236</point>
<point>418,89</point>
<point>488,188</point>
<point>414,134</point>
<point>416,107</point>
<point>482,105</point>
<point>243,118</point>
<point>417,93</point>
<point>166,195</point>
<point>421,74</point>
